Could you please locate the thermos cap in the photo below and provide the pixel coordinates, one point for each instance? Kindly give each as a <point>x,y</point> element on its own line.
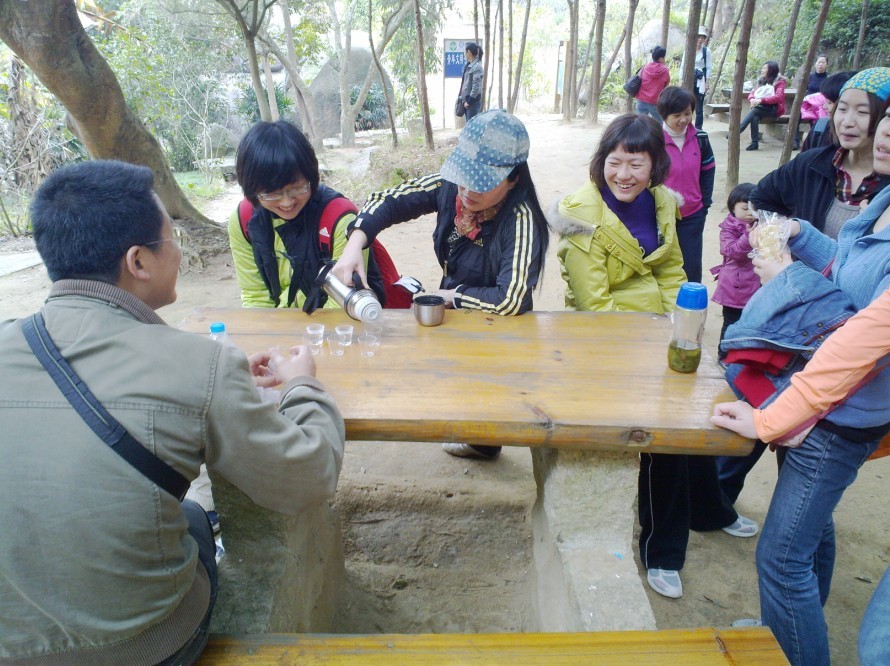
<point>692,296</point>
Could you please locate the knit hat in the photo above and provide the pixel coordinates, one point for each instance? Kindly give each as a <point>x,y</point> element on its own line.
<point>875,80</point>
<point>488,149</point>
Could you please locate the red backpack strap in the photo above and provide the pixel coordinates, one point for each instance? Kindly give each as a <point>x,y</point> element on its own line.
<point>245,212</point>
<point>331,214</point>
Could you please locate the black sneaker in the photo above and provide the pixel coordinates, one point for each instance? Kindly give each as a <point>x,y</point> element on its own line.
<point>752,146</point>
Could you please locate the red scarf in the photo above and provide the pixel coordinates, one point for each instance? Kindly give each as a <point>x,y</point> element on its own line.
<point>468,223</point>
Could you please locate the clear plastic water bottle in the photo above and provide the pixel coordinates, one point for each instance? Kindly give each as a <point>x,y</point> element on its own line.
<point>684,352</point>
<point>218,333</point>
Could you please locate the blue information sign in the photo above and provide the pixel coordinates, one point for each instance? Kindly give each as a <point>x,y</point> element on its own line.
<point>454,57</point>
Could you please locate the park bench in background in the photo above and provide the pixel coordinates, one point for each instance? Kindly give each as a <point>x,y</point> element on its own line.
<point>753,646</point>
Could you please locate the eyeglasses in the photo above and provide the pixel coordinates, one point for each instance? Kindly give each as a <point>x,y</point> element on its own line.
<point>290,193</point>
<point>178,235</point>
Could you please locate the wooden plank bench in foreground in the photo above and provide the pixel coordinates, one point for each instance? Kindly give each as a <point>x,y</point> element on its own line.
<point>752,646</point>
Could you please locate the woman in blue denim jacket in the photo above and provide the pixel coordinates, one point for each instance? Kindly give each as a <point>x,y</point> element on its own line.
<point>795,554</point>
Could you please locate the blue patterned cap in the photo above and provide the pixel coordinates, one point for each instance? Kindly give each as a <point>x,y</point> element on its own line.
<point>488,149</point>
<point>875,80</point>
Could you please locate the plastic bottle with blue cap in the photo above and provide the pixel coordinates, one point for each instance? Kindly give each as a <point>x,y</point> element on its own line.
<point>684,352</point>
<point>218,334</point>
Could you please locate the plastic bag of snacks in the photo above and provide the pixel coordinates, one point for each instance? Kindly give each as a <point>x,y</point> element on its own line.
<point>772,235</point>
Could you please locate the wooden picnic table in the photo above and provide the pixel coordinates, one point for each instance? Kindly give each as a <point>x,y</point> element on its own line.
<point>577,380</point>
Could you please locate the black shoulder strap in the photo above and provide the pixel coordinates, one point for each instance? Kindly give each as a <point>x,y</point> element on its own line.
<point>95,415</point>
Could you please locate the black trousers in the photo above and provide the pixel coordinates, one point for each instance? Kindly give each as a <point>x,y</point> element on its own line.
<point>678,493</point>
<point>730,316</point>
<point>754,116</point>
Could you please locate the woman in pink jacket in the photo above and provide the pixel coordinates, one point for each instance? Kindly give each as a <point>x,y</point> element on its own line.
<point>767,101</point>
<point>656,77</point>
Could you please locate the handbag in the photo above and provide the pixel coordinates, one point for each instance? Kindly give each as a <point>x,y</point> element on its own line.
<point>459,109</point>
<point>633,84</point>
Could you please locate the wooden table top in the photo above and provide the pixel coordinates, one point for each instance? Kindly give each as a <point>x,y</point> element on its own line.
<point>578,380</point>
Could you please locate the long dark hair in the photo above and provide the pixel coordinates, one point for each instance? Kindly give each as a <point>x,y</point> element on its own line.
<point>523,192</point>
<point>474,48</point>
<point>772,73</point>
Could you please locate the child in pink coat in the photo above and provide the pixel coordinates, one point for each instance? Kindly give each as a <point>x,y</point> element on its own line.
<point>736,279</point>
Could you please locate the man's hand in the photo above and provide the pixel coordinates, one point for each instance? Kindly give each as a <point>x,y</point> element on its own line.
<point>263,376</point>
<point>737,416</point>
<point>352,259</point>
<point>298,364</point>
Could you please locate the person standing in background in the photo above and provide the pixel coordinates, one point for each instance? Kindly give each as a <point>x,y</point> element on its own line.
<point>702,72</point>
<point>656,77</point>
<point>471,90</point>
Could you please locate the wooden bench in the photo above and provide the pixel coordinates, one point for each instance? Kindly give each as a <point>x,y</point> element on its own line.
<point>716,108</point>
<point>754,646</point>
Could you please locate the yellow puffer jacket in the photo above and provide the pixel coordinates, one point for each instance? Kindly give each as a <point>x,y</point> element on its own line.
<point>603,264</point>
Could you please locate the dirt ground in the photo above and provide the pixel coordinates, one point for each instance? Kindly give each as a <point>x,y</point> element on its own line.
<point>436,543</point>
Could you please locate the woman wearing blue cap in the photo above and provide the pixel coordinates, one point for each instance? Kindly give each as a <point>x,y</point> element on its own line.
<point>825,186</point>
<point>491,235</point>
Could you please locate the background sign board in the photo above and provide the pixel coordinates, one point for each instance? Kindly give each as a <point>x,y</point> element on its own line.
<point>454,57</point>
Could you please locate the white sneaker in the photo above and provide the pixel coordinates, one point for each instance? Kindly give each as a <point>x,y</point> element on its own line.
<point>742,527</point>
<point>666,582</point>
<point>460,450</point>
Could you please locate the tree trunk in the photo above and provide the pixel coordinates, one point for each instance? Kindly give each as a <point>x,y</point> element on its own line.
<point>500,54</point>
<point>712,12</point>
<point>250,25</point>
<point>270,90</point>
<point>593,91</point>
<point>665,21</point>
<point>628,43</point>
<point>735,25</point>
<point>48,37</point>
<point>735,106</point>
<point>608,68</point>
<point>863,22</point>
<point>569,96</point>
<point>389,113</point>
<point>687,76</point>
<point>586,59</point>
<point>486,51</point>
<point>509,53</point>
<point>517,82</point>
<point>813,49</point>
<point>304,96</point>
<point>493,61</point>
<point>789,36</point>
<point>421,77</point>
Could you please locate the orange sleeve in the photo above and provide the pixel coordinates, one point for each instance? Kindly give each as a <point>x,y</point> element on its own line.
<point>838,366</point>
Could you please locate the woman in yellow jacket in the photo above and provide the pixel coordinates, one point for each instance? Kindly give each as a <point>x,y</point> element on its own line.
<point>618,251</point>
<point>618,247</point>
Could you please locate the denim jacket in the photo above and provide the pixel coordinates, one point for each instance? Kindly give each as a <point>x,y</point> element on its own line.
<point>795,312</point>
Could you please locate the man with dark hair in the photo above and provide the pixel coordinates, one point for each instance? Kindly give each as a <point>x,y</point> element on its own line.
<point>100,561</point>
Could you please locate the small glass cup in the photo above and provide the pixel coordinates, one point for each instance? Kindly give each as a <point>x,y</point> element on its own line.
<point>313,342</point>
<point>375,330</point>
<point>368,344</point>
<point>336,345</point>
<point>316,330</point>
<point>346,331</point>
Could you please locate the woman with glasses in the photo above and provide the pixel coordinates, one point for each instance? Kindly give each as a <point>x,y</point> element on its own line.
<point>289,223</point>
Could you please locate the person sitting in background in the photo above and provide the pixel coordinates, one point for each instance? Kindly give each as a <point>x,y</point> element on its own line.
<point>104,564</point>
<point>691,174</point>
<point>491,235</point>
<point>655,77</point>
<point>619,252</point>
<point>767,100</point>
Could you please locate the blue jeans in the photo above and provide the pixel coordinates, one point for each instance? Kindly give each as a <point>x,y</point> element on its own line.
<point>699,108</point>
<point>874,635</point>
<point>690,231</point>
<point>201,531</point>
<point>795,553</point>
<point>473,110</point>
<point>644,108</point>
